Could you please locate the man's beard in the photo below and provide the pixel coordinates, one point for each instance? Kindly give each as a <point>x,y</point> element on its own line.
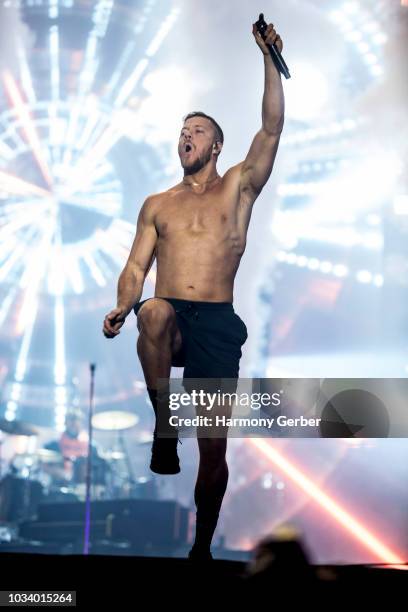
<point>199,163</point>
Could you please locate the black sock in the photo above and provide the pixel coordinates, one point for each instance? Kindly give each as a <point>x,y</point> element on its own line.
<point>162,423</point>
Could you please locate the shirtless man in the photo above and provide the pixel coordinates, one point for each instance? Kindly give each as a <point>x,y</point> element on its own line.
<point>197,233</point>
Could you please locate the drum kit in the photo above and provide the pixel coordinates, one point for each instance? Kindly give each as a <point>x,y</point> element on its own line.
<point>44,475</point>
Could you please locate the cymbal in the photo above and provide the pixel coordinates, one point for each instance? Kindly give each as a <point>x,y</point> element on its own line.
<point>49,456</point>
<point>112,455</point>
<point>41,454</point>
<point>114,420</point>
<point>18,428</point>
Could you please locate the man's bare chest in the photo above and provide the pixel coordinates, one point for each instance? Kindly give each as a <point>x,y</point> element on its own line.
<point>214,212</point>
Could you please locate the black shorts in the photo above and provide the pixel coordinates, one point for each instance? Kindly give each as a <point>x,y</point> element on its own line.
<point>212,336</point>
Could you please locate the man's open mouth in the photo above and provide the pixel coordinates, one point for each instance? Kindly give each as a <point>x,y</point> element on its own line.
<point>188,148</point>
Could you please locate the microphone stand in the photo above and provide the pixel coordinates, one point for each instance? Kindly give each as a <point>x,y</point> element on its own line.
<point>92,367</point>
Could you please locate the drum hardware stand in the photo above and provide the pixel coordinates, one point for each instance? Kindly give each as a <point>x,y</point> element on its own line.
<point>129,469</point>
<point>1,455</point>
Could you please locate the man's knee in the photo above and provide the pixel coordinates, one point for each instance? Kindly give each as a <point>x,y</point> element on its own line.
<point>156,317</point>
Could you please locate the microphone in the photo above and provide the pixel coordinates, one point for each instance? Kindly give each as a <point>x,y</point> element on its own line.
<point>276,55</point>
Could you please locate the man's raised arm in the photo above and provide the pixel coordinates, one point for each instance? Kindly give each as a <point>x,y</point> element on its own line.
<point>132,277</point>
<point>257,166</point>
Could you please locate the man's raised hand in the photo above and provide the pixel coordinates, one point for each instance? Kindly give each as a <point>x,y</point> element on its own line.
<point>271,38</point>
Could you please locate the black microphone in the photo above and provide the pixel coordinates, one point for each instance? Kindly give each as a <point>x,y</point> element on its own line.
<point>278,60</point>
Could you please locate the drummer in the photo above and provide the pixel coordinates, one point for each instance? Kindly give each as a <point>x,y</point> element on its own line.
<point>72,444</point>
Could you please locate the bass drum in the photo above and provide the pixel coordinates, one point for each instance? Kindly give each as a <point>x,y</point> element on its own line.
<point>98,473</point>
<point>19,498</point>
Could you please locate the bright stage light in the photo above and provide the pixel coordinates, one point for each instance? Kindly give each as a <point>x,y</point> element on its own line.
<point>54,56</point>
<point>313,263</point>
<point>351,7</point>
<point>16,391</point>
<point>380,38</point>
<point>25,74</point>
<point>362,187</point>
<point>370,58</point>
<point>307,95</point>
<point>340,270</point>
<point>267,481</point>
<point>31,281</point>
<point>162,32</point>
<point>59,366</point>
<point>337,16</point>
<point>61,396</point>
<point>326,267</point>
<point>53,9</point>
<point>363,47</point>
<point>376,70</point>
<point>131,82</point>
<point>364,276</point>
<point>160,124</point>
<point>15,185</point>
<point>373,219</point>
<point>352,526</point>
<point>321,133</point>
<point>371,26</point>
<point>401,204</point>
<point>28,126</point>
<point>354,36</point>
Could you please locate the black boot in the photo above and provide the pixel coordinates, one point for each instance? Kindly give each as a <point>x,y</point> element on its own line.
<point>200,556</point>
<point>164,455</point>
<point>205,527</point>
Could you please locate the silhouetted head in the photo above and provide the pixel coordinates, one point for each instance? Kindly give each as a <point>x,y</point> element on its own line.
<point>73,424</point>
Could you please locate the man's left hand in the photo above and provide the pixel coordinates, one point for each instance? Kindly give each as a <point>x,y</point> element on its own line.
<point>271,38</point>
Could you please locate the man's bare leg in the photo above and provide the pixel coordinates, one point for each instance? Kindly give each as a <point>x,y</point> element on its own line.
<point>159,339</point>
<point>209,492</point>
<point>211,483</point>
